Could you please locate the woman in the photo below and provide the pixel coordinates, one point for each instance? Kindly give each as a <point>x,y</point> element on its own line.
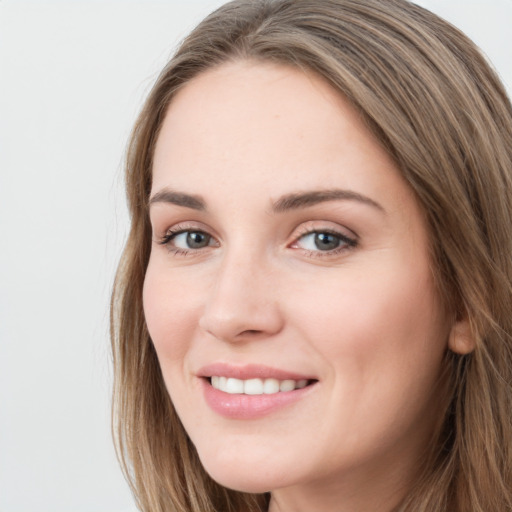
<point>312,311</point>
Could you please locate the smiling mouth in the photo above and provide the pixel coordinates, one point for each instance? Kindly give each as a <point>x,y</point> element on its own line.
<point>257,386</point>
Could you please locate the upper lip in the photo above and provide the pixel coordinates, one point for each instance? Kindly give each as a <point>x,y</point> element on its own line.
<point>249,371</point>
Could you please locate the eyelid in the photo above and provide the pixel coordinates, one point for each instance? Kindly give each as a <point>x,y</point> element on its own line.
<point>319,226</point>
<point>160,232</point>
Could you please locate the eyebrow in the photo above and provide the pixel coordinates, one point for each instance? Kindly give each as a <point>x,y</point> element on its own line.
<point>304,199</point>
<point>178,198</point>
<point>293,201</point>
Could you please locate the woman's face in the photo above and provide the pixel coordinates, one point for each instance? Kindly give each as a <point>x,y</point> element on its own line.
<point>288,252</point>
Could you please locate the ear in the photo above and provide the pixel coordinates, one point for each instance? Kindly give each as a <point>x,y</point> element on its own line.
<point>461,340</point>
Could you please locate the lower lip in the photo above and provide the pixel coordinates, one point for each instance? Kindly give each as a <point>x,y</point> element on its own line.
<point>248,407</point>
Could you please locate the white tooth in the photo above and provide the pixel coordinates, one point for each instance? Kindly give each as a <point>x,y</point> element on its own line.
<point>234,386</point>
<point>253,387</point>
<point>270,386</point>
<point>301,384</point>
<point>287,385</point>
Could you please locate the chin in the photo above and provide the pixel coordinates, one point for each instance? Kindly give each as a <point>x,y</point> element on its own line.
<point>244,476</point>
<point>247,481</point>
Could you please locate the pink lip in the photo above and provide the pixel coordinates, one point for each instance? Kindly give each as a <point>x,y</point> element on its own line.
<point>247,407</point>
<point>249,371</point>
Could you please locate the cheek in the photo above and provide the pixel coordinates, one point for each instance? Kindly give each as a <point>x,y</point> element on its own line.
<point>383,337</point>
<point>376,322</point>
<point>170,310</point>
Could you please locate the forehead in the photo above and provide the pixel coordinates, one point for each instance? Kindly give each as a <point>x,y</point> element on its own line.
<point>265,127</point>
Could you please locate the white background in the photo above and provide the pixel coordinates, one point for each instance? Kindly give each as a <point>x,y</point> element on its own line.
<point>73,75</point>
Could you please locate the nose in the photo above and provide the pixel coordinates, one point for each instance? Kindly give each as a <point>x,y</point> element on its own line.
<point>242,304</point>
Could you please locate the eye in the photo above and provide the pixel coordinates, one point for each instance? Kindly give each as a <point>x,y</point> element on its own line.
<point>182,240</point>
<point>325,241</point>
<point>191,240</point>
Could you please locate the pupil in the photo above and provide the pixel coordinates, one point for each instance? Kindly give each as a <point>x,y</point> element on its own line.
<point>197,240</point>
<point>326,241</point>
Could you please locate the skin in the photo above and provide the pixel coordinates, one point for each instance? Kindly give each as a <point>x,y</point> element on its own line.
<point>364,319</point>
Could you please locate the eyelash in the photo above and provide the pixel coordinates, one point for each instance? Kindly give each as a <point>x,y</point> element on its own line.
<point>346,243</point>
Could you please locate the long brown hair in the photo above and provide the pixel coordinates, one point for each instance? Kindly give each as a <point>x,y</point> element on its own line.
<point>439,109</point>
